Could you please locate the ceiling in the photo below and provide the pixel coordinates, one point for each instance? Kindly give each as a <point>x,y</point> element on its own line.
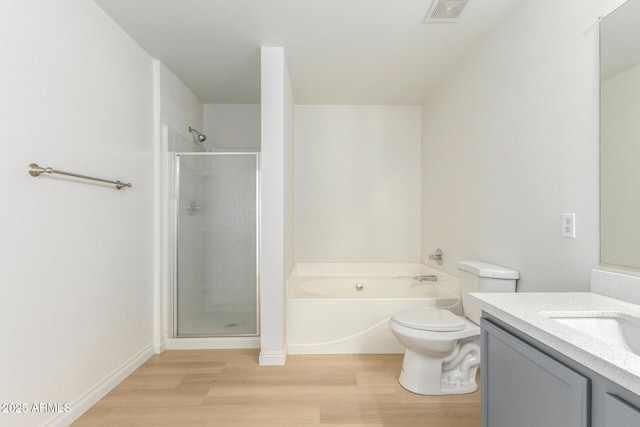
<point>619,40</point>
<point>375,52</point>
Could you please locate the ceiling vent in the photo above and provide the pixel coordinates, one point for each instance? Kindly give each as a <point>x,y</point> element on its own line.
<point>445,11</point>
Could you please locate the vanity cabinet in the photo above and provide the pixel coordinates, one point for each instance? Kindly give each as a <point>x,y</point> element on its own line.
<point>521,386</point>
<point>528,384</point>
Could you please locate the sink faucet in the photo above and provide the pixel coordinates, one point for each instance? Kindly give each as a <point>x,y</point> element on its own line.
<point>429,278</point>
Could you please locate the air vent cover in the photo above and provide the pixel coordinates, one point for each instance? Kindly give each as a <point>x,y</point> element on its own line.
<point>445,11</point>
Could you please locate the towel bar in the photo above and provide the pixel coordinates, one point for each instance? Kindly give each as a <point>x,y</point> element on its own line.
<point>35,170</point>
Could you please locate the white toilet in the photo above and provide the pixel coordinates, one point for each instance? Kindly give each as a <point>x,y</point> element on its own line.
<point>442,350</point>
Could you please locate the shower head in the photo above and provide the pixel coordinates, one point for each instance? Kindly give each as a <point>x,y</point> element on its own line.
<point>201,137</point>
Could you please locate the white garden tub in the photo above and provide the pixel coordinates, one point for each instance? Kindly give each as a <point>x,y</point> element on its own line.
<point>345,308</point>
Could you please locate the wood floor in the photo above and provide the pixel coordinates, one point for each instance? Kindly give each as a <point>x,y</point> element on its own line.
<point>227,387</point>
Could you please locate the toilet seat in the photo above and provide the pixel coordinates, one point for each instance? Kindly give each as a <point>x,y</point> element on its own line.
<point>431,319</point>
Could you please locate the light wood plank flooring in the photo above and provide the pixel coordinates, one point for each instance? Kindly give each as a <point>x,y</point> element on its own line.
<point>227,387</point>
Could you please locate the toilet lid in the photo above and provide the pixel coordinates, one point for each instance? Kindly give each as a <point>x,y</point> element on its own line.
<point>433,319</point>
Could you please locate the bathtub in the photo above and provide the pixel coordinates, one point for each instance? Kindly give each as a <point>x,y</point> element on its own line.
<point>345,308</point>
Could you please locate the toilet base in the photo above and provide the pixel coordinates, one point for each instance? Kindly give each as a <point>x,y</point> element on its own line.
<point>422,374</point>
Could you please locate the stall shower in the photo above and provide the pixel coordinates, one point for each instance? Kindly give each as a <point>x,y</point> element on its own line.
<point>216,214</point>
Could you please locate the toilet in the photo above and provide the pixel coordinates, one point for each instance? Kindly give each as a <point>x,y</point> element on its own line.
<point>442,349</point>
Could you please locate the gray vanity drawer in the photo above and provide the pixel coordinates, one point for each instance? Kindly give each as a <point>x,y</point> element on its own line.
<point>620,413</point>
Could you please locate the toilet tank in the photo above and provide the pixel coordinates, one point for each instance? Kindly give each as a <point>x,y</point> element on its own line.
<point>480,276</point>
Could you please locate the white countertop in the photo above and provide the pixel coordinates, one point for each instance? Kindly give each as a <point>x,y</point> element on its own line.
<point>522,311</point>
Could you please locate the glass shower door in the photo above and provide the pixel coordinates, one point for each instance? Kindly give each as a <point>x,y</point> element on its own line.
<point>216,244</point>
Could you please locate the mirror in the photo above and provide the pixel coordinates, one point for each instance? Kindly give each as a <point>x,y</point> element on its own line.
<point>620,137</point>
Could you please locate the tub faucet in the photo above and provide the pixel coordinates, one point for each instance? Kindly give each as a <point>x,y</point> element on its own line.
<point>429,278</point>
<point>437,256</point>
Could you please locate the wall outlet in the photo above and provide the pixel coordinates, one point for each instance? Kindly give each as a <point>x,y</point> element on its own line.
<point>569,225</point>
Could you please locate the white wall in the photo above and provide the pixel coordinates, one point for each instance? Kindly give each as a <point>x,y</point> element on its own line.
<point>289,175</point>
<point>232,126</point>
<point>357,183</point>
<point>275,262</point>
<point>179,108</point>
<point>76,259</point>
<point>510,142</point>
<point>620,152</point>
<point>175,109</point>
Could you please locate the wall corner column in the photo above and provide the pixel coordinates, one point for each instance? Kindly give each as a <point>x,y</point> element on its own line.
<point>274,86</point>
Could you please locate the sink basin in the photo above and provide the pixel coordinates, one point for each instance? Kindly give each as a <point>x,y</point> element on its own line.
<point>615,328</point>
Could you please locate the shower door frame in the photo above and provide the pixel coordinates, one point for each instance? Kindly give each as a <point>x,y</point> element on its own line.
<point>176,207</point>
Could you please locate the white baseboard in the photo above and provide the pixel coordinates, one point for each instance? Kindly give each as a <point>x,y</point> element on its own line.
<point>84,402</point>
<point>273,358</point>
<point>159,346</point>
